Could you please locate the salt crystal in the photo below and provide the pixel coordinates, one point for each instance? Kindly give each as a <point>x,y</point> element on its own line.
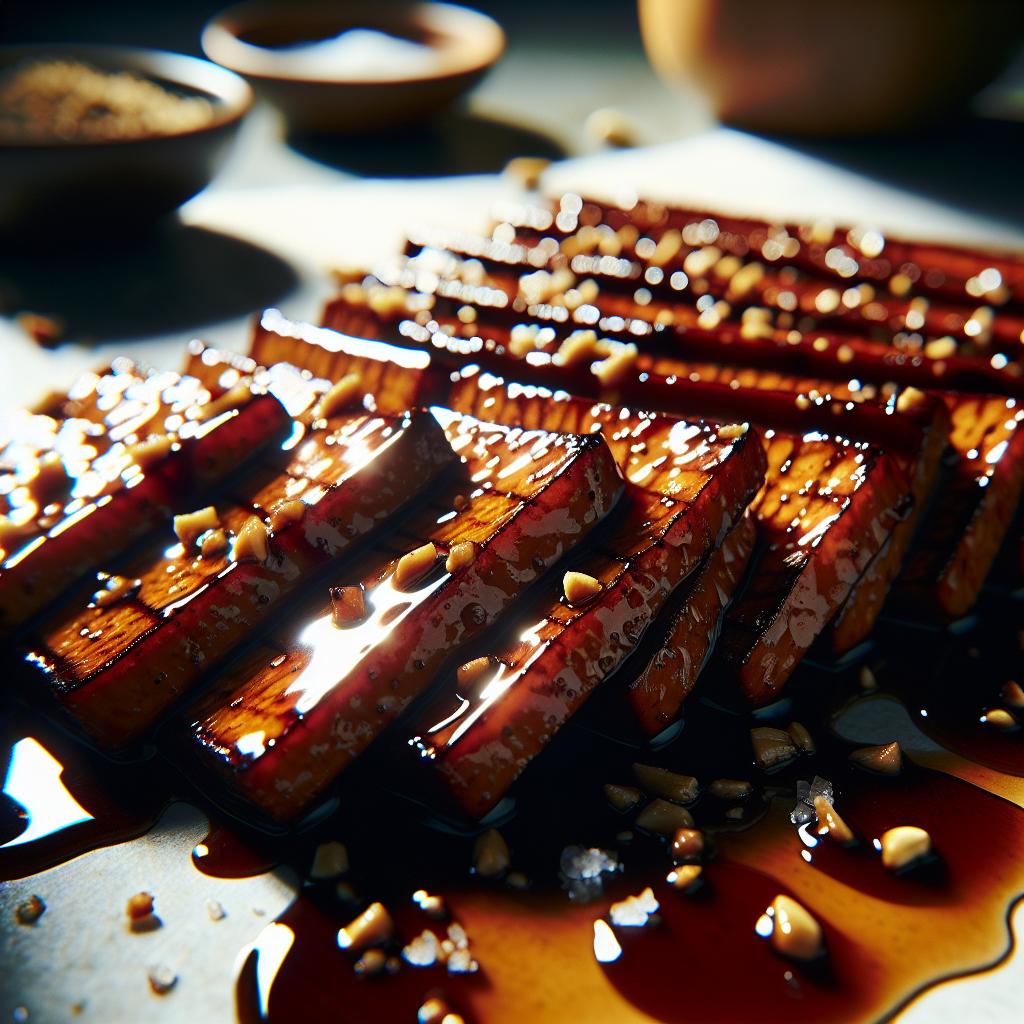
<point>462,962</point>
<point>634,911</point>
<point>423,951</point>
<point>806,792</point>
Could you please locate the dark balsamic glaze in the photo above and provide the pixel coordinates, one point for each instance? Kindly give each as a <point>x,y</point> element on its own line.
<point>887,936</point>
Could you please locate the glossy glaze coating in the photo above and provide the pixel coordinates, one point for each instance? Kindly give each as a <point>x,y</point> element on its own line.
<point>285,731</point>
<point>117,666</point>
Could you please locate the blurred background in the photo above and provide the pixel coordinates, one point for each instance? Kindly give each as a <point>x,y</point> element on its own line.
<point>926,96</point>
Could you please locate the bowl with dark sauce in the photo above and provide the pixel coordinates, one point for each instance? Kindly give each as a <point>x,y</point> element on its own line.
<point>99,142</point>
<point>355,68</point>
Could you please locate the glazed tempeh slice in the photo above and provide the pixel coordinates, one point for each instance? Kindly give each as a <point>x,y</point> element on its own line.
<point>150,633</point>
<point>656,695</point>
<point>498,713</point>
<point>709,317</point>
<point>844,255</point>
<point>130,452</point>
<point>826,509</point>
<point>965,527</point>
<point>283,733</point>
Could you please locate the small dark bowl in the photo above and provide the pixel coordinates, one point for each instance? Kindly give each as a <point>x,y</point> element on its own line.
<point>100,190</point>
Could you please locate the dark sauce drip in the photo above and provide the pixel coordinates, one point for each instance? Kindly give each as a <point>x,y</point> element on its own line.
<point>58,803</point>
<point>535,946</point>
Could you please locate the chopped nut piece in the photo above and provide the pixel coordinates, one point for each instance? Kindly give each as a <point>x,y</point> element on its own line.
<point>580,588</point>
<point>373,961</point>
<point>732,431</point>
<point>795,933</point>
<point>685,877</point>
<point>579,347</point>
<point>903,845</point>
<point>349,605</point>
<point>462,962</point>
<point>611,127</point>
<point>213,544</point>
<point>526,171</point>
<point>886,759</point>
<point>622,798</point>
<point>215,910</point>
<point>436,1011</point>
<point>432,906</point>
<point>233,399</point>
<point>801,737</point>
<point>139,906</point>
<point>190,526</point>
<point>682,789</point>
<point>687,844</point>
<point>341,396</point>
<point>612,371</point>
<point>329,861</point>
<point>830,823</point>
<point>999,719</point>
<point>730,789</point>
<point>372,927</point>
<point>423,951</point>
<point>460,556</point>
<point>522,339</point>
<point>772,747</point>
<point>29,911</point>
<point>1013,694</point>
<point>490,854</point>
<point>663,818</point>
<point>286,512</point>
<point>252,543</point>
<point>634,911</point>
<point>161,979</point>
<point>146,454</point>
<point>867,678</point>
<point>415,565</point>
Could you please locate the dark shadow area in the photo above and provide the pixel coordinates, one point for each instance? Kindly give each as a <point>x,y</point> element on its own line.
<point>176,279</point>
<point>457,143</point>
<point>969,162</point>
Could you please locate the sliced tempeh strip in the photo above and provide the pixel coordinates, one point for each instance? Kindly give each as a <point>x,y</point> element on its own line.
<point>159,440</point>
<point>480,734</point>
<point>116,666</point>
<point>282,734</point>
<point>656,695</point>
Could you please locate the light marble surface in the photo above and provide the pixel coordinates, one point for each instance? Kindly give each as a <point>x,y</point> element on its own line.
<point>327,220</point>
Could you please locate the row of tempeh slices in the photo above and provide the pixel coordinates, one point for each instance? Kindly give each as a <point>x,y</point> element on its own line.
<point>447,536</point>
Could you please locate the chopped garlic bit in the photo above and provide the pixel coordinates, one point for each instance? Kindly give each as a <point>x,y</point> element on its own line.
<point>580,588</point>
<point>794,932</point>
<point>372,927</point>
<point>161,979</point>
<point>490,854</point>
<point>772,747</point>
<point>903,846</point>
<point>423,951</point>
<point>885,759</point>
<point>252,543</point>
<point>682,789</point>
<point>329,861</point>
<point>190,526</point>
<point>634,911</point>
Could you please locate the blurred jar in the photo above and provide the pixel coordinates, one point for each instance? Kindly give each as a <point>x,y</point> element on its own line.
<point>825,67</point>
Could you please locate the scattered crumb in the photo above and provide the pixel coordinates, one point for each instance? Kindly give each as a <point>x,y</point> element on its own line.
<point>634,911</point>
<point>30,910</point>
<point>141,917</point>
<point>215,910</point>
<point>43,330</point>
<point>329,861</point>
<point>462,962</point>
<point>162,979</point>
<point>259,911</point>
<point>432,906</point>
